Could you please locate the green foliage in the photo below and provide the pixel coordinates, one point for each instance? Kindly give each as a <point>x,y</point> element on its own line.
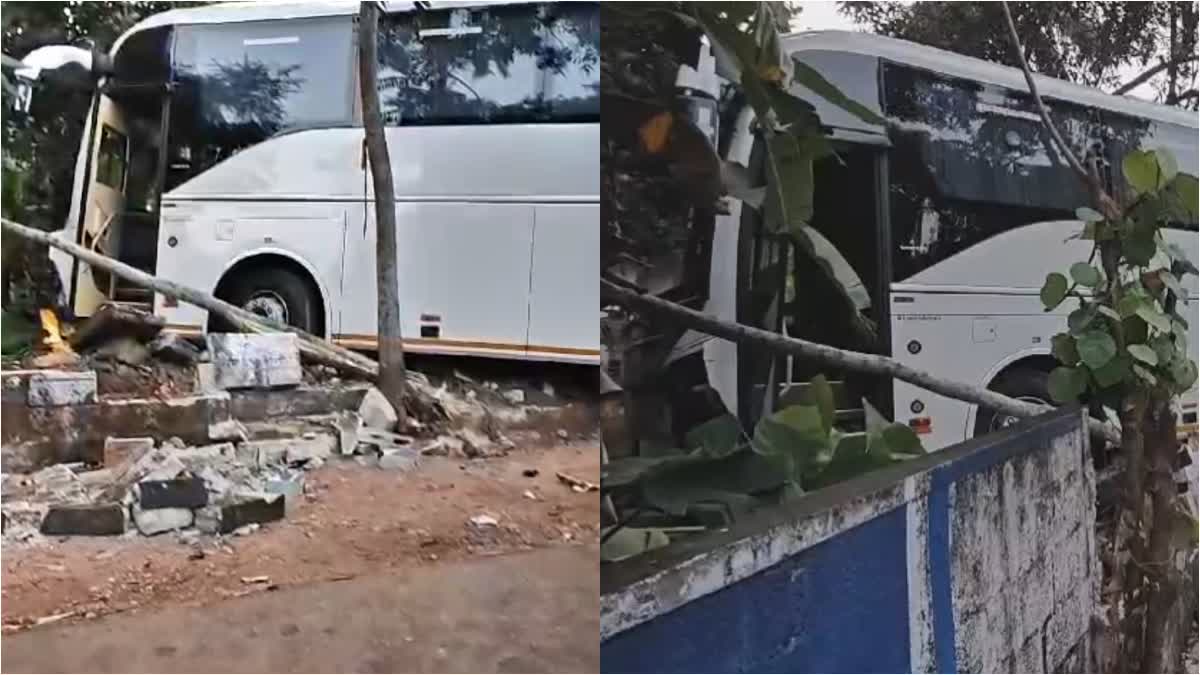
<point>792,450</point>
<point>1130,331</point>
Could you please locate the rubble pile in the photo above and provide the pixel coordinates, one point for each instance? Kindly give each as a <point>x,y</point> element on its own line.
<point>249,475</point>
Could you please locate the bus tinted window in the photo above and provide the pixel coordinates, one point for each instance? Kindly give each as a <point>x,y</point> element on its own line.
<point>507,64</point>
<point>570,59</point>
<point>237,84</point>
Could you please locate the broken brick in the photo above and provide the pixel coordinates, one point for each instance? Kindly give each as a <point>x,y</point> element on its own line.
<point>183,493</point>
<point>254,510</point>
<point>119,451</point>
<point>85,519</point>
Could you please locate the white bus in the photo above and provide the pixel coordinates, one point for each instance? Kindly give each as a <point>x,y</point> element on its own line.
<point>224,151</point>
<point>951,215</point>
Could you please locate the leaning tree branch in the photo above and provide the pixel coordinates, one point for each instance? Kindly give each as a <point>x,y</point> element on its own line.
<point>311,346</point>
<point>1151,72</point>
<point>1104,201</point>
<point>871,364</point>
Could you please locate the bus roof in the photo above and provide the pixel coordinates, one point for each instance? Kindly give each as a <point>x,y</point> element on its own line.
<point>970,68</point>
<point>231,12</point>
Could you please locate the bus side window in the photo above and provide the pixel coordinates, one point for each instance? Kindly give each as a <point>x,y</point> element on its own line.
<point>241,83</point>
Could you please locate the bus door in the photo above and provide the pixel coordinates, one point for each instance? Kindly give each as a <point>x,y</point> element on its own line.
<point>105,202</point>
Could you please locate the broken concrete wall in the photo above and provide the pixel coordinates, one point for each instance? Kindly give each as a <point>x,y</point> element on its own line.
<point>978,558</point>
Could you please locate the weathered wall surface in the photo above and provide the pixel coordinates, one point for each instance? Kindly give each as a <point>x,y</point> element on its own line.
<point>979,558</point>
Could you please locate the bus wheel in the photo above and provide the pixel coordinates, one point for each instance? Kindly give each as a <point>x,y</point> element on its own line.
<point>279,294</point>
<point>1022,383</point>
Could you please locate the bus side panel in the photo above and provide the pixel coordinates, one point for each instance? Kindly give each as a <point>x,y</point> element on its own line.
<point>566,269</point>
<point>964,337</point>
<point>211,237</point>
<point>463,269</point>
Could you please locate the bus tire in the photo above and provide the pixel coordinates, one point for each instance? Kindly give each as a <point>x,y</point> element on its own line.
<point>1024,383</point>
<point>278,293</point>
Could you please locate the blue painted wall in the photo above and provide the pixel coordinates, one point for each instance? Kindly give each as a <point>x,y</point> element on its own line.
<point>838,607</point>
<point>1002,547</point>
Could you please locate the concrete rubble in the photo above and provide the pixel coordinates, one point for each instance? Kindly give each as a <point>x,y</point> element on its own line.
<point>239,468</point>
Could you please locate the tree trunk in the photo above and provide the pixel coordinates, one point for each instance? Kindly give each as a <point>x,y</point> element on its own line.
<point>391,347</point>
<point>1129,545</point>
<point>1161,653</point>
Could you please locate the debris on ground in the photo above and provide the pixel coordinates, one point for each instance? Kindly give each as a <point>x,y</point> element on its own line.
<point>577,484</point>
<point>233,475</point>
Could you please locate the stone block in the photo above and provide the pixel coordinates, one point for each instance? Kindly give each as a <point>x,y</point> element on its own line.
<point>255,361</point>
<point>85,519</point>
<point>1071,563</point>
<point>206,379</point>
<point>176,493</point>
<point>376,412</point>
<point>290,485</point>
<point>347,423</point>
<point>118,451</point>
<point>150,522</point>
<point>262,509</point>
<point>202,456</point>
<point>228,430</point>
<point>62,387</point>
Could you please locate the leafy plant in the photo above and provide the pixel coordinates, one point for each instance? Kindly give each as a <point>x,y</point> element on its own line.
<point>793,450</point>
<point>1128,327</point>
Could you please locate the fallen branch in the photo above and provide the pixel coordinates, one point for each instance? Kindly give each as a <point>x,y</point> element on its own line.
<point>871,364</point>
<point>311,346</point>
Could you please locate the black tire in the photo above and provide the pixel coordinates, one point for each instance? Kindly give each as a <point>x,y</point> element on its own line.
<point>1025,383</point>
<point>265,291</point>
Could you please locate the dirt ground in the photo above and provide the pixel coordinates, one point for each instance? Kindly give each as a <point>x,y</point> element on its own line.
<point>532,611</point>
<point>354,522</point>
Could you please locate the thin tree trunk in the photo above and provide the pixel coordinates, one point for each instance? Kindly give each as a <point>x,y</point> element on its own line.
<point>391,347</point>
<point>870,364</point>
<point>1129,545</point>
<point>311,346</point>
<point>1162,618</point>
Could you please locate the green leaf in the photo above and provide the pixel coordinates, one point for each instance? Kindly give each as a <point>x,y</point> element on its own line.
<point>1096,348</point>
<point>823,397</point>
<point>1063,349</point>
<point>1143,353</point>
<point>1080,319</point>
<point>716,437</point>
<point>1139,249</point>
<point>1149,313</point>
<point>17,334</point>
<point>1129,305</point>
<point>1112,373</point>
<point>1066,384</point>
<point>1088,215</point>
<point>1147,376</point>
<point>1085,275</point>
<point>1164,348</point>
<point>1181,263</point>
<point>1054,290</point>
<point>1167,168</point>
<point>900,438</point>
<point>1108,312</point>
<point>817,84</point>
<point>1141,171</point>
<point>1183,373</point>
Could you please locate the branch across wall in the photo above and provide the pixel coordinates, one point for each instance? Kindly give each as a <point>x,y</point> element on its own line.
<point>859,362</point>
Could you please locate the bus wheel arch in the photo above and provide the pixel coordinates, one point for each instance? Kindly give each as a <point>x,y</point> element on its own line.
<point>275,285</point>
<point>1025,379</point>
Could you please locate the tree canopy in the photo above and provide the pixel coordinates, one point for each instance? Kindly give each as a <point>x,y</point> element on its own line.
<point>1092,43</point>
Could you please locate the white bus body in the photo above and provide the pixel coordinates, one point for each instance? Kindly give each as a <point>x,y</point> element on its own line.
<point>495,161</point>
<point>954,301</point>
